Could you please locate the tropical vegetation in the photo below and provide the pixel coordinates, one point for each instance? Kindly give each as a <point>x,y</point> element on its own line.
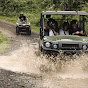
<point>10,9</point>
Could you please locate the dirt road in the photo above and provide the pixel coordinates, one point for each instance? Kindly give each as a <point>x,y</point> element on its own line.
<point>21,68</point>
<point>9,79</point>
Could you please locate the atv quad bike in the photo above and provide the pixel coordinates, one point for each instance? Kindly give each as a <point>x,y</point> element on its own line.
<point>23,26</point>
<point>64,43</point>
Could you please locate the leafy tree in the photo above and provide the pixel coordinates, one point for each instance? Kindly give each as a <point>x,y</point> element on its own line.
<point>70,4</point>
<point>14,7</point>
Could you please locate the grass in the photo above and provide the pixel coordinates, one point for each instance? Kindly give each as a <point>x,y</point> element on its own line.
<point>4,43</point>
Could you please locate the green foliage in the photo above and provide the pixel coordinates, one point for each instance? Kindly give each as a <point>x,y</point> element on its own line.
<point>32,8</point>
<point>72,4</point>
<point>14,7</point>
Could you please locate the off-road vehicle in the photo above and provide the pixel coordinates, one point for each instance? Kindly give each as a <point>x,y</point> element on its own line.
<point>64,43</point>
<point>23,26</point>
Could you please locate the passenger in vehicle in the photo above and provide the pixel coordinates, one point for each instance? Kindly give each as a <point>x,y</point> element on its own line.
<point>47,26</point>
<point>74,29</point>
<point>64,30</point>
<point>61,23</point>
<point>51,28</point>
<point>46,30</point>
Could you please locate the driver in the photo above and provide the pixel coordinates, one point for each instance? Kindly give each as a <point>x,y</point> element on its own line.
<point>74,29</point>
<point>22,17</point>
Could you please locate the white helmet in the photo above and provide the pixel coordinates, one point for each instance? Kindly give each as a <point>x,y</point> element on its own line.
<point>21,13</point>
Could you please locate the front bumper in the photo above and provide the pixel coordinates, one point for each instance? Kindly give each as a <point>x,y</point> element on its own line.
<point>24,29</point>
<point>64,51</point>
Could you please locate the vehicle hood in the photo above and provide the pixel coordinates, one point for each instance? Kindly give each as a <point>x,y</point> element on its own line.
<point>66,38</point>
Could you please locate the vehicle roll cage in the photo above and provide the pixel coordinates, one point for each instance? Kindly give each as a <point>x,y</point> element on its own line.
<point>65,13</point>
<point>82,15</point>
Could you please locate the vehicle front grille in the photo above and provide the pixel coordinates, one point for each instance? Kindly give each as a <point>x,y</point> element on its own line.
<point>70,46</point>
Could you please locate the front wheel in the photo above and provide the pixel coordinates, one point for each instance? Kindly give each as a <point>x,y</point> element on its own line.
<point>29,31</point>
<point>17,31</point>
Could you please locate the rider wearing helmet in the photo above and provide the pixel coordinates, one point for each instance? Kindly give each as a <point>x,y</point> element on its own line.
<point>22,17</point>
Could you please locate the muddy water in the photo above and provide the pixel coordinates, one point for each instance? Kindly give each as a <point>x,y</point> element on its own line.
<point>63,72</point>
<point>68,74</point>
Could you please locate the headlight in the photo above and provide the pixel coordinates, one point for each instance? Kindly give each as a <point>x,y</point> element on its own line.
<point>23,24</point>
<point>20,25</point>
<point>16,23</point>
<point>84,47</point>
<point>47,44</point>
<point>55,46</point>
<point>27,25</point>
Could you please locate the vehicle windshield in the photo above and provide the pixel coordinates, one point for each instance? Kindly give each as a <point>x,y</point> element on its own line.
<point>65,25</point>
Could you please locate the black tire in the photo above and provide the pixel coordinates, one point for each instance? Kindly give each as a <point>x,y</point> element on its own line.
<point>29,31</point>
<point>17,31</point>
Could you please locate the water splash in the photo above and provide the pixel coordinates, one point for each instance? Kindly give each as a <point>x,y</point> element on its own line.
<point>55,71</point>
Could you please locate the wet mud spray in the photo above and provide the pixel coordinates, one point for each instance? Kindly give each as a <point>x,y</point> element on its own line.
<point>59,72</point>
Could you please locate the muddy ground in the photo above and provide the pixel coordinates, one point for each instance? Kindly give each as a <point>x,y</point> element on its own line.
<point>22,68</point>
